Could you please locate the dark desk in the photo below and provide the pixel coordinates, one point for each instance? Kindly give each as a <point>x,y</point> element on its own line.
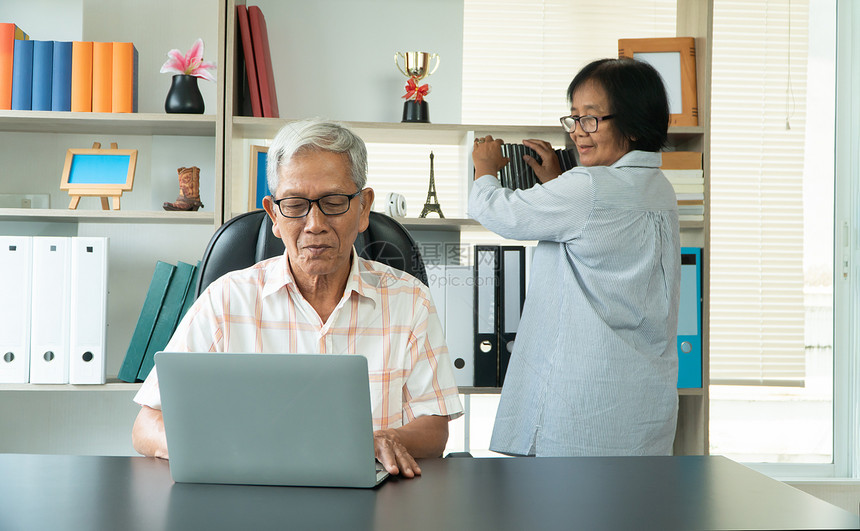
<point>130,493</point>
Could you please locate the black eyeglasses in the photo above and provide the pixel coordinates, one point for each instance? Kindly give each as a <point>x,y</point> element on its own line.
<point>588,123</point>
<point>299,207</point>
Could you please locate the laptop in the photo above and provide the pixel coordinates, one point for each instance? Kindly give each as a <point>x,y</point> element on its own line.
<point>268,419</point>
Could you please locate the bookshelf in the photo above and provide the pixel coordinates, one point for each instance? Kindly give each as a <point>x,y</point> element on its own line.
<point>218,142</point>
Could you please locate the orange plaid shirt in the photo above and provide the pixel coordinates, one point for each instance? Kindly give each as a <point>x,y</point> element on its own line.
<point>385,315</point>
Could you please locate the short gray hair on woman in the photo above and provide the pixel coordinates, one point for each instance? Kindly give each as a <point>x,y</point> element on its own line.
<point>316,135</point>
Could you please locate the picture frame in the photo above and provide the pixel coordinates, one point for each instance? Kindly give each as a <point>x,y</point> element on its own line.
<point>96,172</point>
<point>258,187</point>
<point>675,60</point>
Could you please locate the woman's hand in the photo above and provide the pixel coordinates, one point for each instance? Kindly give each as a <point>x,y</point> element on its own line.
<point>549,168</point>
<point>487,156</point>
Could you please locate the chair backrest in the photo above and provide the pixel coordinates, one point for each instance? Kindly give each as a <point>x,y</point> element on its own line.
<point>247,239</point>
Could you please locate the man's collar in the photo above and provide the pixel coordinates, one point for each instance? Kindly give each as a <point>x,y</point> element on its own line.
<point>278,275</point>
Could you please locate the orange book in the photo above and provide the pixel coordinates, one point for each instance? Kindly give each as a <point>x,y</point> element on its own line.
<point>82,76</point>
<point>124,84</point>
<point>102,77</point>
<point>681,160</point>
<point>8,34</point>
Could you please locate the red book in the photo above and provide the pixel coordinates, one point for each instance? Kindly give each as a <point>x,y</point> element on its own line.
<point>248,52</point>
<point>8,34</point>
<point>263,60</point>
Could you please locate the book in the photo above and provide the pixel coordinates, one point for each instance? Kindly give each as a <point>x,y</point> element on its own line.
<point>146,322</point>
<point>61,78</point>
<point>9,33</point>
<point>22,76</point>
<point>102,76</point>
<point>82,76</point>
<point>681,160</point>
<point>516,174</point>
<point>125,77</point>
<point>250,65</point>
<point>168,316</point>
<point>43,68</point>
<point>191,296</point>
<point>263,61</point>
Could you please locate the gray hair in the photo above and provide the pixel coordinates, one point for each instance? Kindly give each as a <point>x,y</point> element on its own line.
<point>316,135</point>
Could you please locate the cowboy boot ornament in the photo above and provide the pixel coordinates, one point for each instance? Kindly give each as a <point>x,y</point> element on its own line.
<point>189,190</point>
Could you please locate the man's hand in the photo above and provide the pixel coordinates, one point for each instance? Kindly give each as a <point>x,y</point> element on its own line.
<point>487,156</point>
<point>398,448</point>
<point>549,168</point>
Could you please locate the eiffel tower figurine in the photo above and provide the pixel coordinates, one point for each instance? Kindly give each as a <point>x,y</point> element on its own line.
<point>431,196</point>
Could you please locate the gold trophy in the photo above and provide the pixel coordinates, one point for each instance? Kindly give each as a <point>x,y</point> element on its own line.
<point>416,66</point>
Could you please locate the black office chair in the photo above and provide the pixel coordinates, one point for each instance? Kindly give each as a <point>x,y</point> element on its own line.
<point>247,239</point>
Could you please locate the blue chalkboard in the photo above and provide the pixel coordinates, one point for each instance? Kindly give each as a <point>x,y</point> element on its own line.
<point>99,169</point>
<point>262,188</point>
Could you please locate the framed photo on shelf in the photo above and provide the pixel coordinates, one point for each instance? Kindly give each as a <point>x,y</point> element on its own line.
<point>96,172</point>
<point>675,60</point>
<point>258,187</point>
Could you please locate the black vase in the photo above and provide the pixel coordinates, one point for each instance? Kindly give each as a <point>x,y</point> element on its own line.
<point>184,96</point>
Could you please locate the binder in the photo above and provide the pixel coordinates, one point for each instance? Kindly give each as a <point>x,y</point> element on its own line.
<point>191,296</point>
<point>10,34</point>
<point>50,312</point>
<point>487,271</point>
<point>88,323</point>
<point>460,322</point>
<point>102,76</point>
<point>250,64</point>
<point>263,62</point>
<point>168,316</point>
<point>512,296</point>
<point>82,76</point>
<point>436,283</point>
<point>690,319</point>
<point>61,77</point>
<point>22,76</point>
<point>43,67</point>
<point>124,77</point>
<point>16,261</point>
<point>146,322</point>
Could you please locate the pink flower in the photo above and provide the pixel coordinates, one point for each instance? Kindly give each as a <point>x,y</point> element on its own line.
<point>191,64</point>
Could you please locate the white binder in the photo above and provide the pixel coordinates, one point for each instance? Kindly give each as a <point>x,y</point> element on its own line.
<point>16,263</point>
<point>436,283</point>
<point>49,313</point>
<point>88,324</point>
<point>460,322</point>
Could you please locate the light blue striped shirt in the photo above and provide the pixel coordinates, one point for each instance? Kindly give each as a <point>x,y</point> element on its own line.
<point>594,368</point>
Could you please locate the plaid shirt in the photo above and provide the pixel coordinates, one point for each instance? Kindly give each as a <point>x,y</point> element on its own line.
<point>385,315</point>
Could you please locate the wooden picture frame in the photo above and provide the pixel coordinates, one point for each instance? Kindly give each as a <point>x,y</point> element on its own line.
<point>675,60</point>
<point>96,172</point>
<point>258,187</point>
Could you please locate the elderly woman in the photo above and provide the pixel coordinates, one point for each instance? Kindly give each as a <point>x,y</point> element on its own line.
<point>594,368</point>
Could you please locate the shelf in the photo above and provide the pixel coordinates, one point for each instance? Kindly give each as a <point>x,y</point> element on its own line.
<point>107,123</point>
<point>418,133</point>
<point>106,216</point>
<point>112,384</point>
<point>443,224</point>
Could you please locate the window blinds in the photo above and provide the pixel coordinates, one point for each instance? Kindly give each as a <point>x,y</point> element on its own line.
<point>758,112</point>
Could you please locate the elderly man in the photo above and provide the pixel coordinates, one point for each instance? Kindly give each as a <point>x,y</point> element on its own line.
<point>321,297</point>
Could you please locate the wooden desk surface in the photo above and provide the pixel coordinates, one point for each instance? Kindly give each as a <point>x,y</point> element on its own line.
<point>130,493</point>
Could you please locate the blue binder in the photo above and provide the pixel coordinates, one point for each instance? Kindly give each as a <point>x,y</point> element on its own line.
<point>690,319</point>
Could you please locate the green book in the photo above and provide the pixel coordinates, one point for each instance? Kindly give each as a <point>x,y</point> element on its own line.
<point>146,322</point>
<point>168,316</point>
<point>191,296</point>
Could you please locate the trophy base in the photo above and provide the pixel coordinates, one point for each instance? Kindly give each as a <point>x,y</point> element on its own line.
<point>414,111</point>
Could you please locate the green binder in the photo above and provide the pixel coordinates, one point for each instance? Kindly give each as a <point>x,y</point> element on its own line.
<point>191,296</point>
<point>146,322</point>
<point>168,316</point>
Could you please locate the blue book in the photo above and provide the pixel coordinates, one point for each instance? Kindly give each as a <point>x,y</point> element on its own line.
<point>43,58</point>
<point>22,76</point>
<point>690,320</point>
<point>61,78</point>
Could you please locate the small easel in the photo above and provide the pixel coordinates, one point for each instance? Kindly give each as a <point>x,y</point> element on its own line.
<point>431,196</point>
<point>96,172</point>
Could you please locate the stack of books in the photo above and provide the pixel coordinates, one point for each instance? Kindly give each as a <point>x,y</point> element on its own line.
<point>684,171</point>
<point>258,84</point>
<point>518,175</point>
<point>171,292</point>
<point>66,76</point>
